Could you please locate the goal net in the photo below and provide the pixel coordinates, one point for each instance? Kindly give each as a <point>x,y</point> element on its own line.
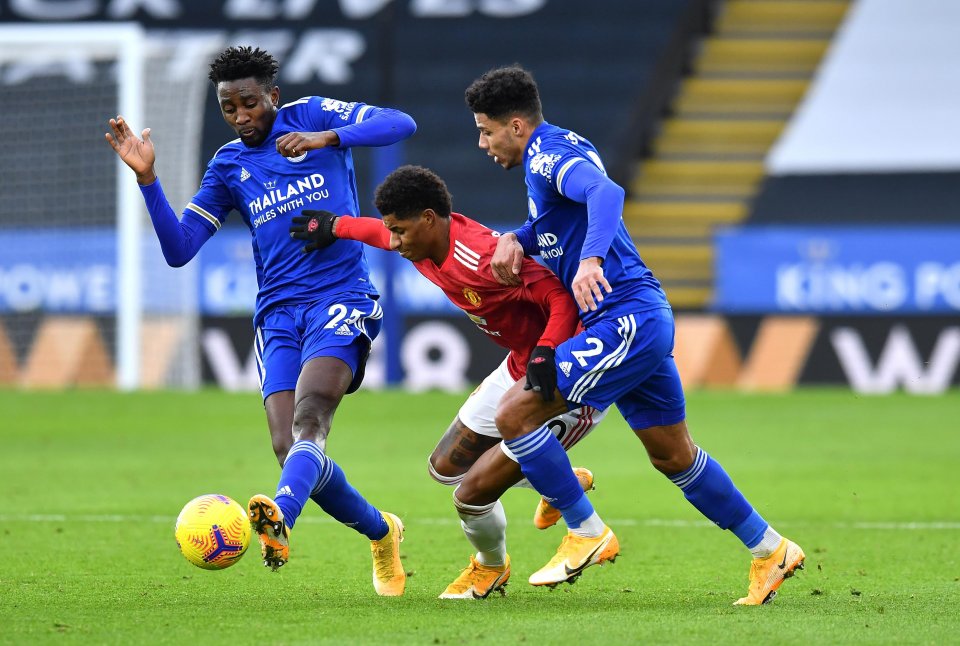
<point>85,295</point>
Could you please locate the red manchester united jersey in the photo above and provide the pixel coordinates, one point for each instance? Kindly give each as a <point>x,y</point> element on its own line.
<point>513,316</point>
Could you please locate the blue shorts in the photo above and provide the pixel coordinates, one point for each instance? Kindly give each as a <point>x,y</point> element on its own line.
<point>627,361</point>
<point>288,336</point>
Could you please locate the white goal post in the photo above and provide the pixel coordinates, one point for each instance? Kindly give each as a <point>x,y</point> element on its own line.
<point>64,184</point>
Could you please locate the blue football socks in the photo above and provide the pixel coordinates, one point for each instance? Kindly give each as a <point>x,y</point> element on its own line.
<point>708,488</point>
<point>309,473</point>
<point>546,465</point>
<point>338,498</point>
<point>300,473</point>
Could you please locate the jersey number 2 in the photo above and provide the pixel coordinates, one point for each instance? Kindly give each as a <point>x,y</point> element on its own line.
<point>596,347</point>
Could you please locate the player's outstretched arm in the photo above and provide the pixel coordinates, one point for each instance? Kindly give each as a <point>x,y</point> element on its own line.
<point>369,231</point>
<point>320,229</point>
<point>136,153</point>
<point>179,240</point>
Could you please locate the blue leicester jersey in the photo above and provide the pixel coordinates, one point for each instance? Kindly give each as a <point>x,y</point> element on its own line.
<point>268,189</point>
<point>560,225</point>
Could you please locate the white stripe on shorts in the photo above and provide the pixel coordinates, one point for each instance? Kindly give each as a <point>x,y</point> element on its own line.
<point>627,329</point>
<point>583,425</point>
<point>258,352</point>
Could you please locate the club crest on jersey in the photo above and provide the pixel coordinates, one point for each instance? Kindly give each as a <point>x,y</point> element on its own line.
<point>298,159</point>
<point>472,297</point>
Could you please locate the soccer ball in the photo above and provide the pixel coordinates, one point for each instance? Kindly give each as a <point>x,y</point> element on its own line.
<point>212,532</point>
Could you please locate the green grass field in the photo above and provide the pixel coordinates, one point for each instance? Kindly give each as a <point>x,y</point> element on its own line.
<point>92,483</point>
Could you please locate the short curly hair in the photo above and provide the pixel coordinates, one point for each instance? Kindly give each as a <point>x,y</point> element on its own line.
<point>409,190</point>
<point>503,92</point>
<point>236,63</point>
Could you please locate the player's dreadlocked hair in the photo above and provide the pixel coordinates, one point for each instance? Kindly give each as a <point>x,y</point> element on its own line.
<point>245,62</point>
<point>409,190</point>
<point>505,91</point>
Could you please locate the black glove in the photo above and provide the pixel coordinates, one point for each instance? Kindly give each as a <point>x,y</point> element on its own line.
<point>314,226</point>
<point>542,372</point>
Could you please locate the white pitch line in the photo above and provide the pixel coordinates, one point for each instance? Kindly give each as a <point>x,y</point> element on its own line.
<point>451,520</point>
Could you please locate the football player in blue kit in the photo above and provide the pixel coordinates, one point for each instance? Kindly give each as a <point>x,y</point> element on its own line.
<point>624,355</point>
<point>316,314</point>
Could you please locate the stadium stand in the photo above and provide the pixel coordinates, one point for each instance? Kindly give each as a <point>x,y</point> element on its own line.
<point>707,161</point>
<point>594,88</point>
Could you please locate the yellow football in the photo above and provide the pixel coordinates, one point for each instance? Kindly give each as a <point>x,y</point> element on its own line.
<point>212,531</point>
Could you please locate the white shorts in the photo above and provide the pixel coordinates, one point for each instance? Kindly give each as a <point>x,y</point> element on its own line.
<point>477,413</point>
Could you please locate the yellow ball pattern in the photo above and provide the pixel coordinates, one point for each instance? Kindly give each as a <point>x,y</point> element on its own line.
<point>212,531</point>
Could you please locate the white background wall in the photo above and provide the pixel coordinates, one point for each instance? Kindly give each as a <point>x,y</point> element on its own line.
<point>886,97</point>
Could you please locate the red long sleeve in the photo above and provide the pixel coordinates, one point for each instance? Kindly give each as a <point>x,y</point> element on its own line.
<point>366,230</point>
<point>562,315</point>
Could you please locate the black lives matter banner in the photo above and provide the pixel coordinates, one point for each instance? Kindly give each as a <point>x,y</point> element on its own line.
<point>872,355</point>
<point>212,13</point>
<point>333,43</point>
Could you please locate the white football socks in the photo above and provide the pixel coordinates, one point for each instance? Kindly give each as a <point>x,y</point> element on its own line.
<point>485,526</point>
<point>767,545</point>
<point>590,528</point>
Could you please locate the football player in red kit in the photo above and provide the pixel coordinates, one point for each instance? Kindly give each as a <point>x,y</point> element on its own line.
<point>454,252</point>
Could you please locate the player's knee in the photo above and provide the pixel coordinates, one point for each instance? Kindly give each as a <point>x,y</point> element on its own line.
<point>670,463</point>
<point>441,470</point>
<point>507,422</point>
<point>478,488</point>
<point>515,412</point>
<point>670,448</point>
<point>467,494</point>
<point>665,466</point>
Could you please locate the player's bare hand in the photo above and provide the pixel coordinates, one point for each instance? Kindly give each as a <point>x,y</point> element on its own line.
<point>507,260</point>
<point>136,153</point>
<point>589,284</point>
<point>294,144</point>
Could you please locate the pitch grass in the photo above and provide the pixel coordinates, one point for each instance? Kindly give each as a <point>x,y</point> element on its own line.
<point>91,483</point>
